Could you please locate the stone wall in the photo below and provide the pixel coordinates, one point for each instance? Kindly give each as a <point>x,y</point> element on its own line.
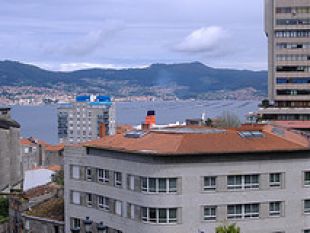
<point>4,227</point>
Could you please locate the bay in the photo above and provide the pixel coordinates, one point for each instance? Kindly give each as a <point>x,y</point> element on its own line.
<point>41,121</point>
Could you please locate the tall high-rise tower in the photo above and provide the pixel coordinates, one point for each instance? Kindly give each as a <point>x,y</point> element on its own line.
<point>287,26</point>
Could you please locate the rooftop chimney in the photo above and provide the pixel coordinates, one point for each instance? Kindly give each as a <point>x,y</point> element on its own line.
<point>150,118</point>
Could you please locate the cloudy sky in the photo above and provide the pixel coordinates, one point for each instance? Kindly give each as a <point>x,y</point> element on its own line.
<point>73,34</point>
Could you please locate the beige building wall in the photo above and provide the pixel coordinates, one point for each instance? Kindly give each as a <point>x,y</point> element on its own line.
<point>273,14</point>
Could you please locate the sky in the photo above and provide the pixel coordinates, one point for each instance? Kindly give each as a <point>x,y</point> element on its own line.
<point>74,34</point>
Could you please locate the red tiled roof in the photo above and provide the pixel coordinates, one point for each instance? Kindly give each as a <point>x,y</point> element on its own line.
<point>25,141</point>
<point>54,168</point>
<point>57,147</point>
<point>29,141</point>
<point>228,141</point>
<point>40,190</point>
<point>52,209</point>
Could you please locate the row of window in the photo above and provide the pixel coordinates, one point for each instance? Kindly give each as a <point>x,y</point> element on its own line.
<point>134,183</point>
<point>293,104</point>
<point>293,45</point>
<point>97,175</point>
<point>97,201</point>
<point>293,21</point>
<point>293,10</point>
<point>292,34</point>
<point>169,215</point>
<point>293,57</point>
<point>235,182</point>
<point>304,80</point>
<point>293,69</point>
<point>287,117</point>
<point>170,185</point>
<point>159,215</point>
<point>292,92</point>
<point>158,185</point>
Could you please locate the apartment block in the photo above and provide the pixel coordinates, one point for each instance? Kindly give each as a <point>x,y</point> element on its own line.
<point>189,179</point>
<point>88,118</point>
<point>287,26</point>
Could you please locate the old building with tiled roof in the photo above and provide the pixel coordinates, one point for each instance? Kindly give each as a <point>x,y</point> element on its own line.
<point>38,210</point>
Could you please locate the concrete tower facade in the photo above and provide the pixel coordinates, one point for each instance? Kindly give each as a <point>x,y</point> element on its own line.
<point>287,26</point>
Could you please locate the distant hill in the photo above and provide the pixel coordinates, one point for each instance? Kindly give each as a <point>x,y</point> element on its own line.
<point>186,80</point>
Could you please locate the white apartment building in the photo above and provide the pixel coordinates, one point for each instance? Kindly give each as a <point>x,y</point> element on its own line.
<point>190,180</point>
<point>88,118</point>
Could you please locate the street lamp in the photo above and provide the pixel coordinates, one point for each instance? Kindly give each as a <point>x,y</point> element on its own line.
<point>88,225</point>
<point>101,228</point>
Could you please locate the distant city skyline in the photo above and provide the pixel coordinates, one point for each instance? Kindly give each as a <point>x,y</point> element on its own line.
<point>70,35</point>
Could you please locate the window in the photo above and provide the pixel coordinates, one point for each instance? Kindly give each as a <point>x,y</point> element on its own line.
<point>159,215</point>
<point>103,176</point>
<point>209,183</point>
<point>307,178</point>
<point>162,185</point>
<point>275,180</point>
<point>131,182</point>
<point>234,182</point>
<point>307,231</point>
<point>76,197</point>
<point>103,203</point>
<point>209,213</point>
<point>242,211</point>
<point>56,229</point>
<point>275,208</point>
<point>251,181</point>
<point>76,172</point>
<point>89,174</point>
<point>234,211</point>
<point>251,211</point>
<point>75,223</point>
<point>131,211</point>
<point>118,208</point>
<point>89,199</point>
<point>307,206</point>
<point>172,185</point>
<point>159,185</point>
<point>243,182</point>
<point>117,179</point>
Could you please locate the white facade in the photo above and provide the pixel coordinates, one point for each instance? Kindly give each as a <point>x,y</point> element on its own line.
<point>80,121</point>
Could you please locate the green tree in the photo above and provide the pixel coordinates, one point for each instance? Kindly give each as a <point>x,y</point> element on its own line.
<point>227,120</point>
<point>58,177</point>
<point>231,228</point>
<point>4,207</point>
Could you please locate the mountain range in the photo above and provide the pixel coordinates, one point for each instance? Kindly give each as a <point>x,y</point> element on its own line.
<point>185,80</point>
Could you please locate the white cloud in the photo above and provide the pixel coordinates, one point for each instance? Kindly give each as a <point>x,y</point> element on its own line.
<point>84,65</point>
<point>86,43</point>
<point>206,39</point>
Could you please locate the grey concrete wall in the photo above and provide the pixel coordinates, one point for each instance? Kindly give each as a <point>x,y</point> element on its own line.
<point>10,159</point>
<point>191,198</point>
<point>4,227</point>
